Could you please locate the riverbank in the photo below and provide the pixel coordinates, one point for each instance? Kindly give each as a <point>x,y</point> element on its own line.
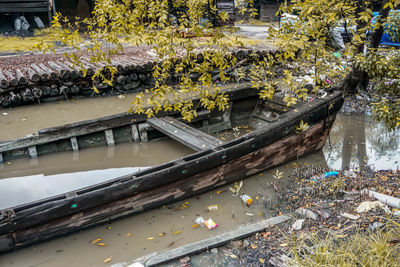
<point>333,223</point>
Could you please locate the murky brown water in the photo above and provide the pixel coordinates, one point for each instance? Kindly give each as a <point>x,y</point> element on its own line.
<point>66,171</point>
<point>358,140</point>
<point>127,239</point>
<point>354,140</point>
<point>20,121</point>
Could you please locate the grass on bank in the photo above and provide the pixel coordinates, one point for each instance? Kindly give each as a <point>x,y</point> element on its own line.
<point>365,248</point>
<point>26,44</point>
<point>48,35</point>
<point>255,22</point>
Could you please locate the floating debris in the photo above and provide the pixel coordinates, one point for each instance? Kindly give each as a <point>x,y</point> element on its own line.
<point>214,207</point>
<point>210,224</point>
<point>247,200</point>
<point>96,241</point>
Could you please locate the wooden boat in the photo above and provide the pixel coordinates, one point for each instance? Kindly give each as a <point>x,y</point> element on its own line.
<point>273,141</point>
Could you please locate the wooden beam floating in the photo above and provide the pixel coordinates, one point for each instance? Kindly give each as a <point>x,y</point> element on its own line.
<point>184,133</point>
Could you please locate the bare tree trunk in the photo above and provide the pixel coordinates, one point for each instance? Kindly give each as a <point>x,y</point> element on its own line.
<point>358,80</point>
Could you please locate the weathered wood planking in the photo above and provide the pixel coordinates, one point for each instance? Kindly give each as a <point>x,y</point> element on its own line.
<point>276,153</point>
<point>199,134</point>
<point>53,208</point>
<point>184,134</point>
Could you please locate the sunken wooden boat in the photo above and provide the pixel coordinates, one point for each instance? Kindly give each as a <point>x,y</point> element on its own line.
<point>272,141</point>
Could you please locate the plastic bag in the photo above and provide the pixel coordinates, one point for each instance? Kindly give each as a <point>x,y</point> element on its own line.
<point>39,22</point>
<point>24,23</point>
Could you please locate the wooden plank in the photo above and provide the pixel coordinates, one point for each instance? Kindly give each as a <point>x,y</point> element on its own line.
<point>199,134</point>
<point>180,135</point>
<point>135,133</point>
<point>23,9</point>
<point>74,144</point>
<point>69,130</point>
<point>143,132</point>
<point>109,137</point>
<point>32,152</point>
<point>157,258</point>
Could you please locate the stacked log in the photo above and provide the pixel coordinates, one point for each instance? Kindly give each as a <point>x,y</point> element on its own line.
<point>11,78</point>
<point>52,74</point>
<point>3,81</point>
<point>20,77</point>
<point>33,76</point>
<point>55,79</point>
<point>26,95</point>
<point>44,76</point>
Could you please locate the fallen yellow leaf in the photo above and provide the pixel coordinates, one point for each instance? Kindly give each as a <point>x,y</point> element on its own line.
<point>150,238</point>
<point>219,191</point>
<point>107,260</point>
<point>128,234</point>
<point>253,246</point>
<point>283,245</point>
<point>261,260</point>
<point>177,232</point>
<point>161,234</point>
<point>102,244</point>
<point>96,240</point>
<point>195,225</point>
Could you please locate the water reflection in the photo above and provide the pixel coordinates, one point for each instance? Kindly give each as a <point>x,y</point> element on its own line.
<point>357,140</point>
<point>20,190</point>
<point>59,173</point>
<point>96,158</point>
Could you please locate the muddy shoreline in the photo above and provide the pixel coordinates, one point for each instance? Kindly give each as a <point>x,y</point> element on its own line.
<point>337,215</point>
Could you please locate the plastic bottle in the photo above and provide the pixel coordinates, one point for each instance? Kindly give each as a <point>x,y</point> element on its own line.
<point>246,199</point>
<point>200,221</point>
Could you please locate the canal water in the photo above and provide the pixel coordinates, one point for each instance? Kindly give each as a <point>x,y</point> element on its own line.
<point>355,140</point>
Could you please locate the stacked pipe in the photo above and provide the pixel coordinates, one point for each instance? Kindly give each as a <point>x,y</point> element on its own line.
<point>60,79</point>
